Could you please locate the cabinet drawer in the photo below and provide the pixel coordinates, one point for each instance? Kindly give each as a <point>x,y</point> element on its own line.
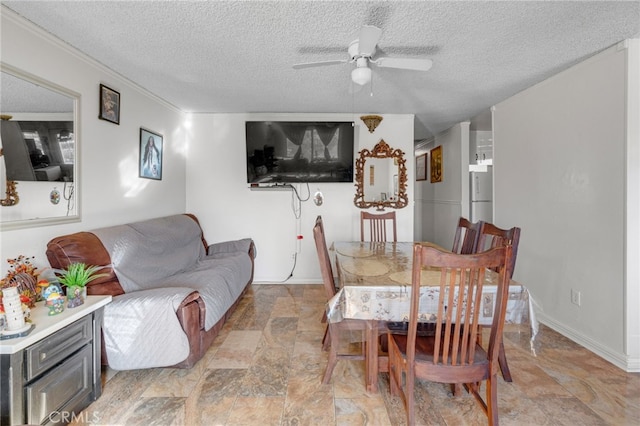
<point>45,354</point>
<point>61,390</point>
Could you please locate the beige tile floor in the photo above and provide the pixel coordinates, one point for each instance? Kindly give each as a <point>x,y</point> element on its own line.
<point>266,365</point>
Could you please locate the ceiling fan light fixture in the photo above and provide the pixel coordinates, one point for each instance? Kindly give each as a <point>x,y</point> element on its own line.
<point>361,75</point>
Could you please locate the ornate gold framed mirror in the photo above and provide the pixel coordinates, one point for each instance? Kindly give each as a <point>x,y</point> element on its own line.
<point>381,178</point>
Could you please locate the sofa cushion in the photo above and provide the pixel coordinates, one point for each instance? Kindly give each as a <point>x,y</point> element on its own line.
<point>219,280</point>
<point>145,253</point>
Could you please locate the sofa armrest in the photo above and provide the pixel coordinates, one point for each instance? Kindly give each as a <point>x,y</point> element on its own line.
<point>132,342</point>
<point>245,245</point>
<point>192,301</point>
<point>87,248</point>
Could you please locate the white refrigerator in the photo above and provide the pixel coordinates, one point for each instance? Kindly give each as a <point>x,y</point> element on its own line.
<point>481,195</point>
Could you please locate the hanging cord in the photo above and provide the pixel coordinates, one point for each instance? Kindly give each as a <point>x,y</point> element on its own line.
<point>371,87</point>
<point>67,193</point>
<point>296,200</point>
<point>296,206</point>
<point>295,261</point>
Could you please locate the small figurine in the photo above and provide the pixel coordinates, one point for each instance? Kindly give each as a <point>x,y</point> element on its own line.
<point>13,308</point>
<point>54,300</point>
<point>40,286</point>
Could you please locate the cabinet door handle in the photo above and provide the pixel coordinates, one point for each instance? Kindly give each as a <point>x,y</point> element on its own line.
<point>43,355</point>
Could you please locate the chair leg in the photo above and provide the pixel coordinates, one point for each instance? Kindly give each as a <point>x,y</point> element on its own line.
<point>325,339</point>
<point>492,400</point>
<point>410,403</point>
<point>333,359</point>
<point>332,339</point>
<point>331,363</point>
<point>456,389</point>
<point>502,361</point>
<point>395,372</point>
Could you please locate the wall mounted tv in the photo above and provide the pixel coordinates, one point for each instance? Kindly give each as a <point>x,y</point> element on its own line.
<point>285,152</point>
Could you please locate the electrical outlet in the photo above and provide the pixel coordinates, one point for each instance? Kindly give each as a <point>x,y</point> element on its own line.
<point>575,297</point>
<point>293,255</point>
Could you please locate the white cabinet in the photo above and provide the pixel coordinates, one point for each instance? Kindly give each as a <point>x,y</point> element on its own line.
<point>53,372</point>
<point>481,147</point>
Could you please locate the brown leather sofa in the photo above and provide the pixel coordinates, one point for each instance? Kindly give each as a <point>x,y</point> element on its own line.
<point>91,248</point>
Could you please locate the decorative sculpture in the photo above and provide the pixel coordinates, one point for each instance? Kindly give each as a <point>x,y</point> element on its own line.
<point>371,121</point>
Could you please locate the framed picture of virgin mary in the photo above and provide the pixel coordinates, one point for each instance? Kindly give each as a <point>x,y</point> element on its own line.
<point>150,164</point>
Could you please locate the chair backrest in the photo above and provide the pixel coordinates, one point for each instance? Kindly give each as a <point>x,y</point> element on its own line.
<point>459,302</point>
<point>323,257</point>
<point>491,236</point>
<point>467,234</point>
<point>377,225</point>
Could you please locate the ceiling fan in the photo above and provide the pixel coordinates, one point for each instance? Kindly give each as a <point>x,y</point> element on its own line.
<point>362,52</point>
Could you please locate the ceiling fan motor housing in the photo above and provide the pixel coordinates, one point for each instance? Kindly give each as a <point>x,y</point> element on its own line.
<point>354,51</point>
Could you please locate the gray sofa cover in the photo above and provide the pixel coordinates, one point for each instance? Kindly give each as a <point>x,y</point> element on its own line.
<point>160,263</point>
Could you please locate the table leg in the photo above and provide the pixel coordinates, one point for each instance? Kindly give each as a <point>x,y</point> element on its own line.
<point>371,356</point>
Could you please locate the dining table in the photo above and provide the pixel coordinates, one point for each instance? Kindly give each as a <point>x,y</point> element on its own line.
<point>374,285</point>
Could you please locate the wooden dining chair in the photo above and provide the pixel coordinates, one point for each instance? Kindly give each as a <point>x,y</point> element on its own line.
<point>491,236</point>
<point>328,284</point>
<point>333,331</point>
<point>466,238</point>
<point>378,225</point>
<point>452,354</point>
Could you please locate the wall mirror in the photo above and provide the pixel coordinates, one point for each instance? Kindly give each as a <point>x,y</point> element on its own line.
<point>39,162</point>
<point>381,178</point>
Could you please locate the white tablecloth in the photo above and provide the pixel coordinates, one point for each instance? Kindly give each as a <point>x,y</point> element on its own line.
<point>375,281</point>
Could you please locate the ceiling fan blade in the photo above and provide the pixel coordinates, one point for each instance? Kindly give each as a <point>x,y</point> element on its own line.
<point>319,64</point>
<point>404,63</point>
<point>368,39</point>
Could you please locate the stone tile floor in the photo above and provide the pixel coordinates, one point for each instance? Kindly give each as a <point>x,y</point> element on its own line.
<point>266,366</point>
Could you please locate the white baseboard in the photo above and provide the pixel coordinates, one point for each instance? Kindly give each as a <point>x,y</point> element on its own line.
<point>620,360</point>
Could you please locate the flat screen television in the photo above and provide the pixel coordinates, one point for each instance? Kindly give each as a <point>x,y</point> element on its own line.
<point>285,152</point>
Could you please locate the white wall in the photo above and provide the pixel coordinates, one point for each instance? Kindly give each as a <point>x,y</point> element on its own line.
<point>439,205</point>
<point>217,193</point>
<point>110,190</point>
<point>632,219</point>
<point>563,174</point>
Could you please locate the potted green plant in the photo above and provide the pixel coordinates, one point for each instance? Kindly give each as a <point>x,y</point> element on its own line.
<point>75,278</point>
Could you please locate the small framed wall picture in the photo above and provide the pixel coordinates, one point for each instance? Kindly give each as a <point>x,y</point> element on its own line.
<point>109,105</point>
<point>421,167</point>
<point>436,164</point>
<point>150,164</point>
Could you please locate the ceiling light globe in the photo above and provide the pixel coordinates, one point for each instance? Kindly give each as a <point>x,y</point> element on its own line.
<point>361,75</point>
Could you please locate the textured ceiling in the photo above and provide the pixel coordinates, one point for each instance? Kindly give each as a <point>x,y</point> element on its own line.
<point>236,56</point>
<point>26,97</point>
